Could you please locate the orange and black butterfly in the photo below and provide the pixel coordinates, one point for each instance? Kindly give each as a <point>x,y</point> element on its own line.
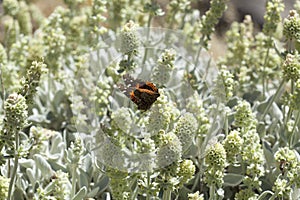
<point>143,94</point>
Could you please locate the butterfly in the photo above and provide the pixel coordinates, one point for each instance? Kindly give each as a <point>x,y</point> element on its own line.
<point>143,94</point>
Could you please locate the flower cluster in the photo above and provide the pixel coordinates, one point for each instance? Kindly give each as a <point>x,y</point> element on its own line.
<point>101,95</point>
<point>195,196</point>
<point>129,39</point>
<point>4,182</point>
<point>272,16</point>
<point>60,187</point>
<point>243,116</point>
<point>129,44</point>
<point>54,39</point>
<point>225,84</point>
<point>211,18</point>
<point>176,10</point>
<point>175,175</point>
<point>239,39</point>
<point>282,189</point>
<point>94,20</point>
<point>19,51</point>
<point>162,72</point>
<point>196,106</point>
<point>119,184</point>
<point>15,114</point>
<point>75,152</point>
<point>286,159</point>
<point>170,149</point>
<point>232,145</point>
<point>24,18</point>
<point>32,79</point>
<point>122,120</point>
<point>291,67</point>
<point>253,156</point>
<point>162,114</point>
<point>215,160</point>
<point>40,138</point>
<point>186,130</point>
<point>11,7</point>
<point>246,194</point>
<point>291,26</point>
<point>186,171</point>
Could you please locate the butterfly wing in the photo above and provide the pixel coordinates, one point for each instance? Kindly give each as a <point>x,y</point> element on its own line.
<point>130,84</point>
<point>143,94</point>
<point>145,98</point>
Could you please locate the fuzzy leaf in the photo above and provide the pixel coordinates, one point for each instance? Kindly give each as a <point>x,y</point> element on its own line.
<point>265,194</point>
<point>233,102</point>
<point>232,179</point>
<point>57,166</point>
<point>57,144</point>
<point>59,98</point>
<point>268,154</point>
<point>83,178</point>
<point>27,163</point>
<point>252,96</point>
<point>296,193</point>
<point>261,128</point>
<point>263,105</point>
<point>31,175</point>
<point>18,194</point>
<point>43,165</point>
<point>102,184</point>
<point>93,192</point>
<point>80,194</point>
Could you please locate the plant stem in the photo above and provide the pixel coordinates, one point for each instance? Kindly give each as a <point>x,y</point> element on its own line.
<point>147,38</point>
<point>148,185</point>
<point>297,120</point>
<point>167,194</point>
<point>226,124</point>
<point>264,75</point>
<point>73,190</point>
<point>288,116</point>
<point>14,171</point>
<point>2,88</point>
<point>212,192</point>
<point>274,97</point>
<point>199,51</point>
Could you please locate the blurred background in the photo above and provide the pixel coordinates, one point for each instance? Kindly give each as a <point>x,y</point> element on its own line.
<point>236,11</point>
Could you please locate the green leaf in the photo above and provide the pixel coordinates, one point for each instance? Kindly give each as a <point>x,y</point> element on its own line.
<point>233,102</point>
<point>268,154</point>
<point>296,193</point>
<point>263,196</point>
<point>27,163</point>
<point>94,192</point>
<point>251,96</point>
<point>80,194</point>
<point>261,128</point>
<point>18,194</point>
<point>263,105</point>
<point>57,166</point>
<point>57,144</point>
<point>83,178</point>
<point>31,175</point>
<point>232,179</point>
<point>43,165</point>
